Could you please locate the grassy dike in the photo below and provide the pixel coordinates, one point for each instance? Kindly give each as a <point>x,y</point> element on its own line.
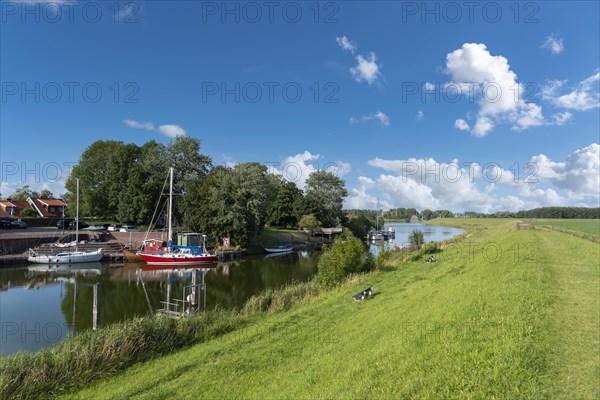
<point>503,313</point>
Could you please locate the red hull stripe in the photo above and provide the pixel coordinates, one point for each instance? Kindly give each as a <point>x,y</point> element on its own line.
<point>172,260</point>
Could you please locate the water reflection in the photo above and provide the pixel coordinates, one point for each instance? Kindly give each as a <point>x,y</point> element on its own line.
<point>33,297</point>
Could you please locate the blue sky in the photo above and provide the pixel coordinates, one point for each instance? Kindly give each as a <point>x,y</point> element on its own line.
<point>395,95</point>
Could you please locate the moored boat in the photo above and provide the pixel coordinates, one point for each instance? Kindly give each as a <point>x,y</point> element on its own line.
<point>190,249</point>
<point>279,249</point>
<point>68,257</point>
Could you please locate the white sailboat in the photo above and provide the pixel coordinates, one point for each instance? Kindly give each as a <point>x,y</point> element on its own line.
<point>377,236</point>
<point>68,257</point>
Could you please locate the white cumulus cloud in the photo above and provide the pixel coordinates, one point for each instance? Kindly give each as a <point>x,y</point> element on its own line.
<point>554,44</point>
<point>366,69</point>
<point>461,186</point>
<point>379,116</point>
<point>170,131</point>
<point>346,44</point>
<point>585,96</point>
<point>461,124</point>
<point>139,125</point>
<point>490,80</point>
<point>297,168</point>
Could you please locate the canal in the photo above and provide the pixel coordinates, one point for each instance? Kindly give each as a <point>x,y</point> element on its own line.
<point>41,305</point>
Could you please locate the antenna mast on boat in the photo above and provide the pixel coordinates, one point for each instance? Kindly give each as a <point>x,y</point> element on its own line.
<point>170,238</point>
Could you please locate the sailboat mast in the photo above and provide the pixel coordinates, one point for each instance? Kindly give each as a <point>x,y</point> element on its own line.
<point>77,215</point>
<point>377,216</point>
<point>170,238</point>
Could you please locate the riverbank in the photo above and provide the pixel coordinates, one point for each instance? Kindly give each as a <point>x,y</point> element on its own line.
<point>515,325</point>
<point>518,322</point>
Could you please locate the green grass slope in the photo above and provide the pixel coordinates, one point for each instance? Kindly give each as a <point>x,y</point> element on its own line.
<point>587,228</point>
<point>503,313</point>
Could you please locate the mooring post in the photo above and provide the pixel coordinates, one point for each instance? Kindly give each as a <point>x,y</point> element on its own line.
<point>194,299</point>
<point>168,290</point>
<point>204,289</point>
<point>97,305</point>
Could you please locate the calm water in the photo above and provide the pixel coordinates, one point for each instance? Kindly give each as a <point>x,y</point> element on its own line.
<point>40,306</point>
<point>430,233</point>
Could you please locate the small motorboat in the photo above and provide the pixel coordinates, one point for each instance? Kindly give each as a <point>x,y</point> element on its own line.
<point>280,249</point>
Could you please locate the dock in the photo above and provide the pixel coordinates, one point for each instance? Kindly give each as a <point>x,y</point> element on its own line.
<point>8,259</point>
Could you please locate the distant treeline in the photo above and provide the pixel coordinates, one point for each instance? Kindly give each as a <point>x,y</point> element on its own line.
<point>401,214</point>
<point>544,212</point>
<point>405,214</point>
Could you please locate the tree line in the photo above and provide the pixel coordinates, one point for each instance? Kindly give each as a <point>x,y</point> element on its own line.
<point>22,193</point>
<point>543,212</point>
<point>405,214</point>
<point>124,182</point>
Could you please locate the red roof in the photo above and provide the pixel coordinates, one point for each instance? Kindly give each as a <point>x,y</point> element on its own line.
<point>43,206</point>
<point>21,203</point>
<point>17,205</point>
<point>53,202</point>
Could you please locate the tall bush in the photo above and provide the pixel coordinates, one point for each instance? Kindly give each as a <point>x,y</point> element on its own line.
<point>346,256</point>
<point>416,239</point>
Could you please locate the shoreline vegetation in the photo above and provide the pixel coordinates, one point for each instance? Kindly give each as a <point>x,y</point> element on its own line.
<point>85,358</point>
<point>519,322</point>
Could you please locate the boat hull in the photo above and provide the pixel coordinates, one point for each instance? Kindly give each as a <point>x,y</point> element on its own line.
<point>279,249</point>
<point>177,259</point>
<point>131,256</point>
<point>67,258</point>
<point>178,267</point>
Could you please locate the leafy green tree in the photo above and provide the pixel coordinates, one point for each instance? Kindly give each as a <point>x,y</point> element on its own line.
<point>189,164</point>
<point>146,179</point>
<point>443,214</point>
<point>324,195</point>
<point>27,213</point>
<point>23,193</point>
<point>310,222</point>
<point>103,170</point>
<point>230,202</point>
<point>124,181</point>
<point>359,225</point>
<point>190,167</point>
<point>46,194</point>
<point>426,214</point>
<point>284,207</point>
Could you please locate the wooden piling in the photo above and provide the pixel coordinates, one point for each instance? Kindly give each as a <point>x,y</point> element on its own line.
<point>97,306</point>
<point>194,297</point>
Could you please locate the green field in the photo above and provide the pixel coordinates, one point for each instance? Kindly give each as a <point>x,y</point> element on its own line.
<point>590,227</point>
<point>503,313</point>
